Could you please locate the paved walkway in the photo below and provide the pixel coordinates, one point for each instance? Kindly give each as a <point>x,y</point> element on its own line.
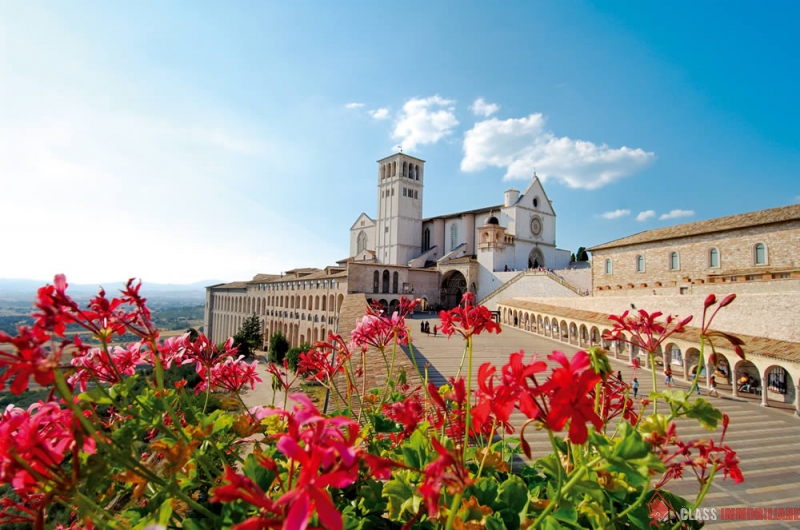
<point>766,440</point>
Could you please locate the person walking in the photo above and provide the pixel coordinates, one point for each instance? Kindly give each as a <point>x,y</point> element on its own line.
<point>668,377</point>
<point>712,387</point>
<point>619,376</point>
<point>635,386</point>
<point>695,380</point>
<point>434,331</point>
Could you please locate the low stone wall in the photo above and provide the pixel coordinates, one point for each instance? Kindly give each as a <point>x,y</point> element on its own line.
<point>771,315</point>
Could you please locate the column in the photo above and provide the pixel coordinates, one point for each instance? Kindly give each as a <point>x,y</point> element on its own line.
<point>797,399</point>
<point>764,402</point>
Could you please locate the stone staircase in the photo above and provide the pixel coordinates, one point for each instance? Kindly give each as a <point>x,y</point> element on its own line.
<point>532,283</point>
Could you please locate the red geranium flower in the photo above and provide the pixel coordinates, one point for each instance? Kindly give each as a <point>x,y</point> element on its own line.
<point>570,387</point>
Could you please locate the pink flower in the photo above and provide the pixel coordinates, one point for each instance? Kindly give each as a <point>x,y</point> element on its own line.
<point>231,375</point>
<point>468,319</point>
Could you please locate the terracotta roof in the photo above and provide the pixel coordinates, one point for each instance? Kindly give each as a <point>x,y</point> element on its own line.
<point>459,214</point>
<point>232,285</point>
<point>264,278</point>
<point>720,224</point>
<point>763,347</point>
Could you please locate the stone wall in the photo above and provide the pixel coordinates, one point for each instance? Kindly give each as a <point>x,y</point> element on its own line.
<point>736,257</point>
<point>771,315</point>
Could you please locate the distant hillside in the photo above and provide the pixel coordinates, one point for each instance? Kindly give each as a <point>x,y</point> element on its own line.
<point>162,293</point>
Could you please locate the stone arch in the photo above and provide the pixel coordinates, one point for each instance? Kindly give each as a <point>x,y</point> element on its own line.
<point>694,364</point>
<point>452,289</point>
<point>554,332</point>
<point>339,302</point>
<point>324,305</point>
<point>316,303</point>
<point>780,387</point>
<point>393,305</point>
<point>395,281</point>
<point>536,259</point>
<point>385,287</point>
<point>376,281</point>
<point>330,303</point>
<point>747,368</point>
<point>594,337</point>
<point>384,304</point>
<point>304,302</point>
<point>564,328</point>
<point>573,333</point>
<point>583,336</point>
<point>674,357</point>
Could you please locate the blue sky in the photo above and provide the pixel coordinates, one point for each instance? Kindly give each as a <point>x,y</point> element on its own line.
<point>185,141</point>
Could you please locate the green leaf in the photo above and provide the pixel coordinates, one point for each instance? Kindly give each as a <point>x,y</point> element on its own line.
<point>485,490</point>
<point>591,489</point>
<point>550,465</point>
<point>496,523</point>
<point>705,413</point>
<point>551,523</point>
<point>262,476</point>
<point>514,493</point>
<point>397,492</point>
<point>96,395</point>
<point>566,512</point>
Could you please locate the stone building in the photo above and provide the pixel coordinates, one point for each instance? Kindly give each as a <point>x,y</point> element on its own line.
<point>398,254</point>
<point>750,252</point>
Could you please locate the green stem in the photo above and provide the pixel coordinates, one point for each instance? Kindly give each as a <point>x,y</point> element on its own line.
<point>208,389</point>
<point>453,510</point>
<point>655,380</point>
<point>577,475</point>
<point>469,398</point>
<point>638,501</point>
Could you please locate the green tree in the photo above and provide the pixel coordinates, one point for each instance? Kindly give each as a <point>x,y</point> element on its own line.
<point>582,255</point>
<point>572,257</point>
<point>293,355</point>
<point>278,346</point>
<point>249,337</point>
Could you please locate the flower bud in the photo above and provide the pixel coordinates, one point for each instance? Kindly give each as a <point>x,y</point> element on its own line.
<point>710,300</point>
<point>727,300</point>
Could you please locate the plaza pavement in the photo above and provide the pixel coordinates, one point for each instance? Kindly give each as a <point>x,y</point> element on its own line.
<point>766,440</point>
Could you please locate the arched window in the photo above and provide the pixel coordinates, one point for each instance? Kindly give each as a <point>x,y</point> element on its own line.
<point>713,258</point>
<point>395,278</point>
<point>760,254</point>
<point>426,239</point>
<point>405,169</point>
<point>416,172</point>
<point>639,263</point>
<point>385,281</point>
<point>453,236</point>
<point>394,168</point>
<point>362,242</point>
<point>609,266</point>
<point>376,277</point>
<point>674,261</point>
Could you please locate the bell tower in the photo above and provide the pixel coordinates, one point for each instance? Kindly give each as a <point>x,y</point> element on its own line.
<point>399,226</point>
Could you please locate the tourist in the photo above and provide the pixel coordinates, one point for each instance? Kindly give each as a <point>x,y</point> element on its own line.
<point>434,331</point>
<point>695,381</point>
<point>668,377</point>
<point>712,387</point>
<point>635,386</point>
<point>746,383</point>
<point>619,376</point>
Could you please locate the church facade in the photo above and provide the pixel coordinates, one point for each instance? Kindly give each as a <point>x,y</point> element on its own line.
<point>399,253</point>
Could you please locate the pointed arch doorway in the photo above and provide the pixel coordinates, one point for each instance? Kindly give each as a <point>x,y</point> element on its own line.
<point>536,259</point>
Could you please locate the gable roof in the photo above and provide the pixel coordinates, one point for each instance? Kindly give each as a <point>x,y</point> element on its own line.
<point>720,224</point>
<point>546,203</point>
<point>365,217</point>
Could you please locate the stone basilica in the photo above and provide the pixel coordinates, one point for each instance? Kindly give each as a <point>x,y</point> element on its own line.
<point>399,253</point>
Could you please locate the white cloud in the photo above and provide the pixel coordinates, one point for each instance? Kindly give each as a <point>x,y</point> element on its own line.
<point>425,121</point>
<point>354,105</point>
<point>522,144</point>
<point>616,214</point>
<point>676,214</point>
<point>645,215</point>
<point>481,108</point>
<point>380,114</point>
